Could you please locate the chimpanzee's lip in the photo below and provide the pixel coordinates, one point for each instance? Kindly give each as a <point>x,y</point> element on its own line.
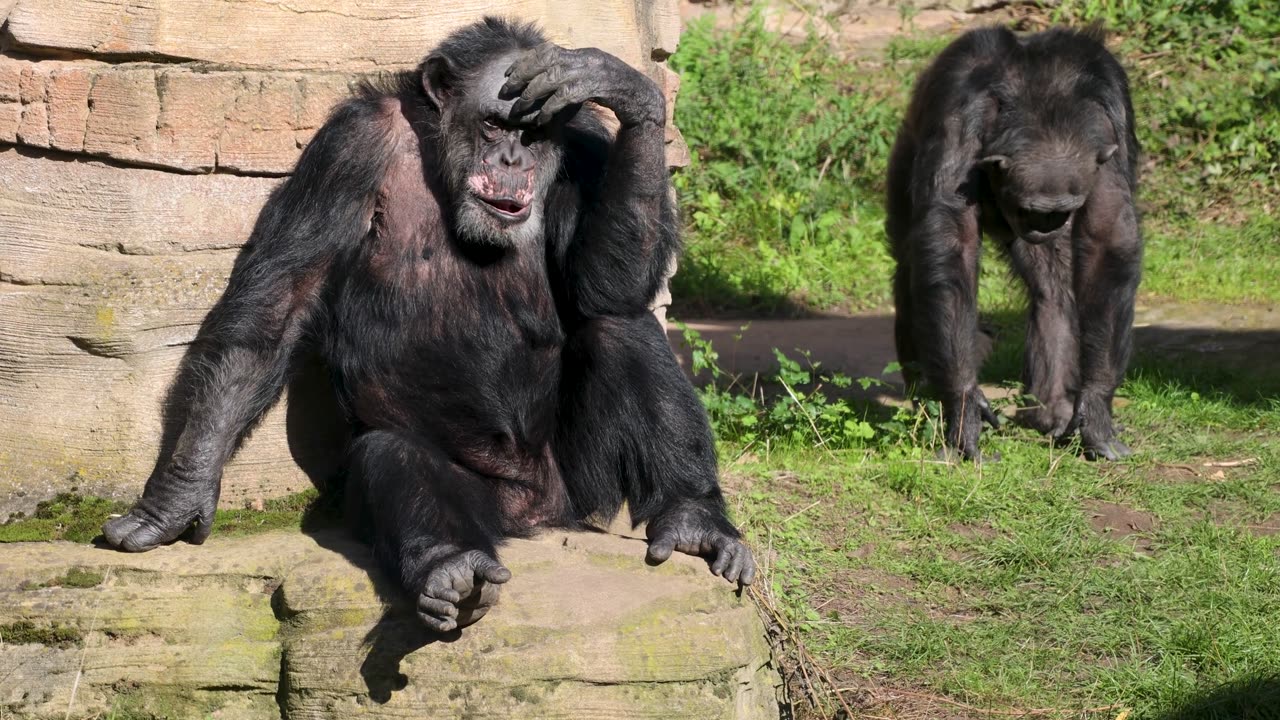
<point>507,208</point>
<point>1035,237</point>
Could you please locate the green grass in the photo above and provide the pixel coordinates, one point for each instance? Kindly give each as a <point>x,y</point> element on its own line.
<point>988,585</point>
<point>783,210</point>
<point>919,585</point>
<point>783,200</point>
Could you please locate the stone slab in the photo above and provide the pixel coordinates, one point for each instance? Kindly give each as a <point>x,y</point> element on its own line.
<point>584,629</point>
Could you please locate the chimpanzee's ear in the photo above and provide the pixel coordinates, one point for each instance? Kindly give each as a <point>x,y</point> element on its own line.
<point>439,79</point>
<point>1105,153</point>
<point>999,162</point>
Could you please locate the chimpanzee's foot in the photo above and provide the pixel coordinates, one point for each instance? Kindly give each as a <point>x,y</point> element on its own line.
<point>965,414</point>
<point>1051,417</point>
<point>1097,431</point>
<point>459,589</point>
<point>704,532</point>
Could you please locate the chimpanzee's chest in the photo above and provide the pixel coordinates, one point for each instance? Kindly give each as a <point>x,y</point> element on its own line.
<point>424,333</point>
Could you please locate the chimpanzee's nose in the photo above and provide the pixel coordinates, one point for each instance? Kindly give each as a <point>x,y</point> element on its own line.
<point>512,156</point>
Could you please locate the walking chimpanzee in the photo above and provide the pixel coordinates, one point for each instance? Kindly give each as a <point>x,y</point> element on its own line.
<point>1029,140</point>
<point>473,254</point>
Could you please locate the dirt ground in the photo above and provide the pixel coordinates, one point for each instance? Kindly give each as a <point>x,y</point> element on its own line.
<point>862,345</point>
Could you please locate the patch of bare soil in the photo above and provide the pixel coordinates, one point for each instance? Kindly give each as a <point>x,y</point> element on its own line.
<point>1268,527</point>
<point>1236,515</point>
<point>1116,521</point>
<point>981,531</point>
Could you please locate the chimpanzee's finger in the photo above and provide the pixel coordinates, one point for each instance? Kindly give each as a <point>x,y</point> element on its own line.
<point>748,575</point>
<point>492,571</point>
<point>139,530</point>
<point>533,62</point>
<point>437,615</point>
<point>660,550</point>
<point>555,104</point>
<point>740,556</point>
<point>204,524</point>
<point>724,558</point>
<point>440,586</point>
<point>535,93</point>
<point>436,607</point>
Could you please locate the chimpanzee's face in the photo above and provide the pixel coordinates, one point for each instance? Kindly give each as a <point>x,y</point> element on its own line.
<point>498,168</point>
<point>1040,189</point>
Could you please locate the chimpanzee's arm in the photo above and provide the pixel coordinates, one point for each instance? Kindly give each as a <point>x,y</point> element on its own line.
<point>628,233</point>
<point>942,246</point>
<point>1108,266</point>
<point>240,359</point>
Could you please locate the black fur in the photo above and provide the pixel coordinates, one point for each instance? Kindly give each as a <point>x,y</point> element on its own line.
<point>501,376</point>
<point>1029,140</point>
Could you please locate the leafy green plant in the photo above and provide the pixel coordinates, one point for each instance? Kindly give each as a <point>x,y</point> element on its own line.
<point>782,197</point>
<point>1207,84</point>
<point>797,405</point>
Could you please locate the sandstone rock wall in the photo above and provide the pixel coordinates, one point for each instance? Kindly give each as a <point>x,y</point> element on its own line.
<point>138,139</point>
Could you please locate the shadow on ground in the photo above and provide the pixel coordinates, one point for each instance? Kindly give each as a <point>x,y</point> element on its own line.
<point>1225,349</point>
<point>1254,699</point>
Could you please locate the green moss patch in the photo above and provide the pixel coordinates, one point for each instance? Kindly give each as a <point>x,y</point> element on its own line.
<point>77,578</point>
<point>25,632</point>
<point>79,518</point>
<point>68,516</point>
<point>306,510</point>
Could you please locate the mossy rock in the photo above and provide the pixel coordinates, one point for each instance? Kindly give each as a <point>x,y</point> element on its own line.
<point>233,628</point>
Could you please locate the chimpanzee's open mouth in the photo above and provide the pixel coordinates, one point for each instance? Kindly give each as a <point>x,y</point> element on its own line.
<point>505,207</point>
<point>1038,227</point>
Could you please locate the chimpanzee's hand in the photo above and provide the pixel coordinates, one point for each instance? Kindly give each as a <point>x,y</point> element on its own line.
<point>1097,431</point>
<point>964,414</point>
<point>1048,417</point>
<point>459,589</point>
<point>173,502</point>
<point>550,78</point>
<point>694,531</point>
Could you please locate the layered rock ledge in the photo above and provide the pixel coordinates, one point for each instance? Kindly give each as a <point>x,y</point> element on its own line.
<point>303,626</point>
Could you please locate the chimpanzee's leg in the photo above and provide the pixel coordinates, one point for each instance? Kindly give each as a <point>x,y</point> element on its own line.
<point>944,245</point>
<point>631,427</point>
<point>903,334</point>
<point>1051,362</point>
<point>1108,266</point>
<point>434,526</point>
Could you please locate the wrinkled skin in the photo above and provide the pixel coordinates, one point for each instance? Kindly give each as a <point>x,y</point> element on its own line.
<point>460,589</point>
<point>693,532</point>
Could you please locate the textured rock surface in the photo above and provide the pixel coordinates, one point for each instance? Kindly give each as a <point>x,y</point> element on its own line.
<point>336,35</point>
<point>138,141</point>
<point>584,630</point>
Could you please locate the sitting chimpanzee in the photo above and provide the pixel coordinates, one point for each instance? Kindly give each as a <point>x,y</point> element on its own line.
<point>473,253</point>
<point>1029,140</point>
